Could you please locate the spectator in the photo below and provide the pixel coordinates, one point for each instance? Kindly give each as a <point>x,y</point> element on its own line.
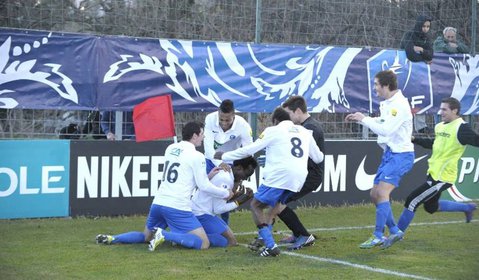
<point>448,43</point>
<point>107,124</point>
<point>416,43</point>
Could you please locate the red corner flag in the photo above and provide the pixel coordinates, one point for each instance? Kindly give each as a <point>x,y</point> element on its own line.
<point>153,119</point>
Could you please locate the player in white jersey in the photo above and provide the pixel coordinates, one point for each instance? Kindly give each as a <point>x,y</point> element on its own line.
<point>394,130</point>
<point>184,169</point>
<point>288,147</point>
<point>206,207</point>
<point>225,130</point>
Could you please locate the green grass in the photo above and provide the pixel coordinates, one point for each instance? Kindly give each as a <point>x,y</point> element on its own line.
<point>65,249</point>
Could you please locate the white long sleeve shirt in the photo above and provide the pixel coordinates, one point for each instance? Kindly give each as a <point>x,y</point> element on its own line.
<point>215,137</point>
<point>204,203</point>
<point>288,147</point>
<point>183,170</point>
<point>394,124</point>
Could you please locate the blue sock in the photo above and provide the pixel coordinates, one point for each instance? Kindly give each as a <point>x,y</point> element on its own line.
<point>382,212</point>
<point>129,237</point>
<point>187,240</point>
<point>452,206</point>
<point>226,217</point>
<point>405,219</point>
<point>267,236</point>
<point>393,229</point>
<point>217,240</point>
<point>270,227</point>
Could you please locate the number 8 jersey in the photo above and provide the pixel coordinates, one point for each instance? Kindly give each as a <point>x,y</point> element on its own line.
<point>288,147</point>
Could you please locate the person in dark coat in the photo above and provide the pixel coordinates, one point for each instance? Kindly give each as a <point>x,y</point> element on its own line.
<point>417,43</point>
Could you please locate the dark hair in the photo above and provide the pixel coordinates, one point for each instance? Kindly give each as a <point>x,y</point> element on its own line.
<point>191,128</point>
<point>453,104</point>
<point>295,102</point>
<point>280,115</point>
<point>387,78</point>
<point>246,162</point>
<point>227,106</point>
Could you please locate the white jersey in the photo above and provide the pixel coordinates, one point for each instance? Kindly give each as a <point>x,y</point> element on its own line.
<point>203,203</point>
<point>288,147</point>
<point>394,124</point>
<point>183,170</point>
<point>239,134</point>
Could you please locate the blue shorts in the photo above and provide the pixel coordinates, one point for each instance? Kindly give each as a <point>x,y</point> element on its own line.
<point>212,224</point>
<point>393,166</point>
<point>271,196</point>
<point>209,165</point>
<point>177,220</point>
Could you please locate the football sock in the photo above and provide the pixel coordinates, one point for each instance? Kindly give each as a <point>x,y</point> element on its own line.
<point>405,219</point>
<point>393,229</point>
<point>267,236</point>
<point>289,217</point>
<point>226,217</point>
<point>382,212</point>
<point>452,206</point>
<point>217,240</point>
<point>129,238</point>
<point>187,240</point>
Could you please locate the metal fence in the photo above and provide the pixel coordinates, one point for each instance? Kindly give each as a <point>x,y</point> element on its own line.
<point>360,23</point>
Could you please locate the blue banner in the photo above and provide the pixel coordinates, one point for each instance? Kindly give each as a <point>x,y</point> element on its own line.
<point>49,70</point>
<point>34,178</point>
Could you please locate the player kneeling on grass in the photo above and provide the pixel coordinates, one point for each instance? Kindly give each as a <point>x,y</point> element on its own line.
<point>206,207</point>
<point>184,170</point>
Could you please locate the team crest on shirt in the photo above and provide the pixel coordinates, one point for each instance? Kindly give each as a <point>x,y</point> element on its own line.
<point>394,112</point>
<point>176,151</point>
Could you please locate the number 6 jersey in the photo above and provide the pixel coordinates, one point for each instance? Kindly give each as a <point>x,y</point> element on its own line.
<point>183,170</point>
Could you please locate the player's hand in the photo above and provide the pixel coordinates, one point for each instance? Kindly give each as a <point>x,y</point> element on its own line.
<point>355,117</point>
<point>247,195</point>
<point>213,172</point>
<point>230,195</point>
<point>224,166</point>
<point>218,155</point>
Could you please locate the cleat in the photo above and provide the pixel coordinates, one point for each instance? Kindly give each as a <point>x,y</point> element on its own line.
<point>158,240</point>
<point>270,252</point>
<point>469,213</point>
<point>104,239</point>
<point>373,241</point>
<point>302,241</point>
<point>256,244</point>
<point>393,238</point>
<point>288,240</point>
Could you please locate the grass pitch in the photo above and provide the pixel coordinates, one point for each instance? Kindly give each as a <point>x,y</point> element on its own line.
<point>439,246</point>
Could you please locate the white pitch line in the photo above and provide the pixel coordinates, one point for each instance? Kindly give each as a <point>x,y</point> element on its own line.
<point>357,227</point>
<point>360,266</point>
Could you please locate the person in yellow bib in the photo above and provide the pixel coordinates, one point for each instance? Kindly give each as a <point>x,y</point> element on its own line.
<point>451,137</point>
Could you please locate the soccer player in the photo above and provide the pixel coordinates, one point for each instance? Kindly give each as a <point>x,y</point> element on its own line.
<point>224,129</point>
<point>206,207</point>
<point>184,169</point>
<point>298,112</point>
<point>451,136</point>
<point>288,147</point>
<point>394,130</point>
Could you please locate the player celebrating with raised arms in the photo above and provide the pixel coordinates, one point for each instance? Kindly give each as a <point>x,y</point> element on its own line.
<point>394,130</point>
<point>288,147</point>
